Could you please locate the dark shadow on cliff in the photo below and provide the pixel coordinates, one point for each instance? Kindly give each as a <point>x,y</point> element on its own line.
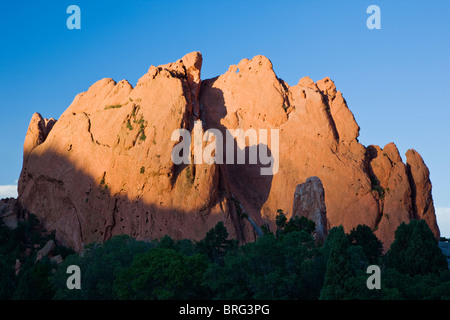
<point>85,209</point>
<point>245,181</point>
<point>82,209</point>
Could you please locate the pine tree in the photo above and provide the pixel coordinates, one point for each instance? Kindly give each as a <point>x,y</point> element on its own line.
<point>338,265</point>
<point>415,250</point>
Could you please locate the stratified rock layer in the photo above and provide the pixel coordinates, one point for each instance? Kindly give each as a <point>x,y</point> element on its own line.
<point>105,166</point>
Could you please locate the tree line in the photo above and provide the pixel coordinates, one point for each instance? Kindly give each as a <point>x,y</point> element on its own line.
<point>284,264</point>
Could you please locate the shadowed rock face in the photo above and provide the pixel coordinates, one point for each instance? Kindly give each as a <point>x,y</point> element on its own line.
<point>105,167</point>
<point>309,202</point>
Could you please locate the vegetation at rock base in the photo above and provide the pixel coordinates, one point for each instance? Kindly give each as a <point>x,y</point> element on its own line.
<point>410,239</point>
<point>287,264</point>
<point>20,246</point>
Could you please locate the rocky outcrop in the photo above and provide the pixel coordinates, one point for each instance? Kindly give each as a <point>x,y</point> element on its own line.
<point>45,251</point>
<point>10,212</point>
<point>391,187</point>
<point>105,166</point>
<point>38,131</point>
<point>422,201</point>
<point>309,202</point>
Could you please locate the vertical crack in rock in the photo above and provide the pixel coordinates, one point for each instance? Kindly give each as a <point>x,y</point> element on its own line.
<point>109,227</point>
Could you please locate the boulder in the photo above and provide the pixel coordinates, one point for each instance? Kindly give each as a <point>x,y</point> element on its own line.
<point>309,202</point>
<point>57,259</point>
<point>10,212</point>
<point>49,246</point>
<point>17,267</point>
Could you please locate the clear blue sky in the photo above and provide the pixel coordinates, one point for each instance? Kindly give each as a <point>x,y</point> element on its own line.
<point>395,80</point>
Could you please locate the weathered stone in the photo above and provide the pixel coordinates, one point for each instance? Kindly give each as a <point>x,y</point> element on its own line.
<point>49,246</point>
<point>57,259</point>
<point>9,212</point>
<point>309,202</point>
<point>422,198</point>
<point>17,266</point>
<point>105,167</point>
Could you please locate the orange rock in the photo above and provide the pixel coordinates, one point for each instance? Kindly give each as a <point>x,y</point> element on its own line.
<point>309,202</point>
<point>391,186</point>
<point>105,167</point>
<point>422,199</point>
<point>38,130</point>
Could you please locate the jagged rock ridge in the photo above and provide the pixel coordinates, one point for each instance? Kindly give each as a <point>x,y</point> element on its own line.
<point>105,166</point>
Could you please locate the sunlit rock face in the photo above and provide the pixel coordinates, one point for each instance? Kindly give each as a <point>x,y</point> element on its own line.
<point>105,166</point>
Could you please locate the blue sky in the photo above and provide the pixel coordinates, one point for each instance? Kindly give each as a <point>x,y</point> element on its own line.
<point>395,80</point>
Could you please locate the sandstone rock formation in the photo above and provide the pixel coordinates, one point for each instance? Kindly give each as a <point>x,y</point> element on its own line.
<point>10,212</point>
<point>309,202</point>
<point>105,166</point>
<point>422,200</point>
<point>45,251</point>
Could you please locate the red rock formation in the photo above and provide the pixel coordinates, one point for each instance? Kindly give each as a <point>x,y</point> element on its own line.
<point>309,202</point>
<point>10,212</point>
<point>422,200</point>
<point>105,167</point>
<point>391,187</point>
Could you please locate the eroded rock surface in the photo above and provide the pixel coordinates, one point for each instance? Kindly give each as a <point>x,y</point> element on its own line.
<point>309,202</point>
<point>105,166</point>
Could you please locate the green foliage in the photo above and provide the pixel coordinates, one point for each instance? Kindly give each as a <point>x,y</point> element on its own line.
<point>115,106</point>
<point>363,236</point>
<point>185,247</point>
<point>189,175</point>
<point>270,268</point>
<point>288,265</point>
<point>265,229</point>
<point>299,224</point>
<point>415,250</point>
<point>34,284</point>
<point>7,278</point>
<point>32,281</point>
<point>294,224</point>
<point>162,274</point>
<point>129,126</point>
<point>280,219</point>
<point>338,269</point>
<point>166,242</point>
<point>216,244</point>
<point>377,187</point>
<point>100,264</point>
<point>431,286</point>
<point>142,136</point>
<point>142,171</point>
